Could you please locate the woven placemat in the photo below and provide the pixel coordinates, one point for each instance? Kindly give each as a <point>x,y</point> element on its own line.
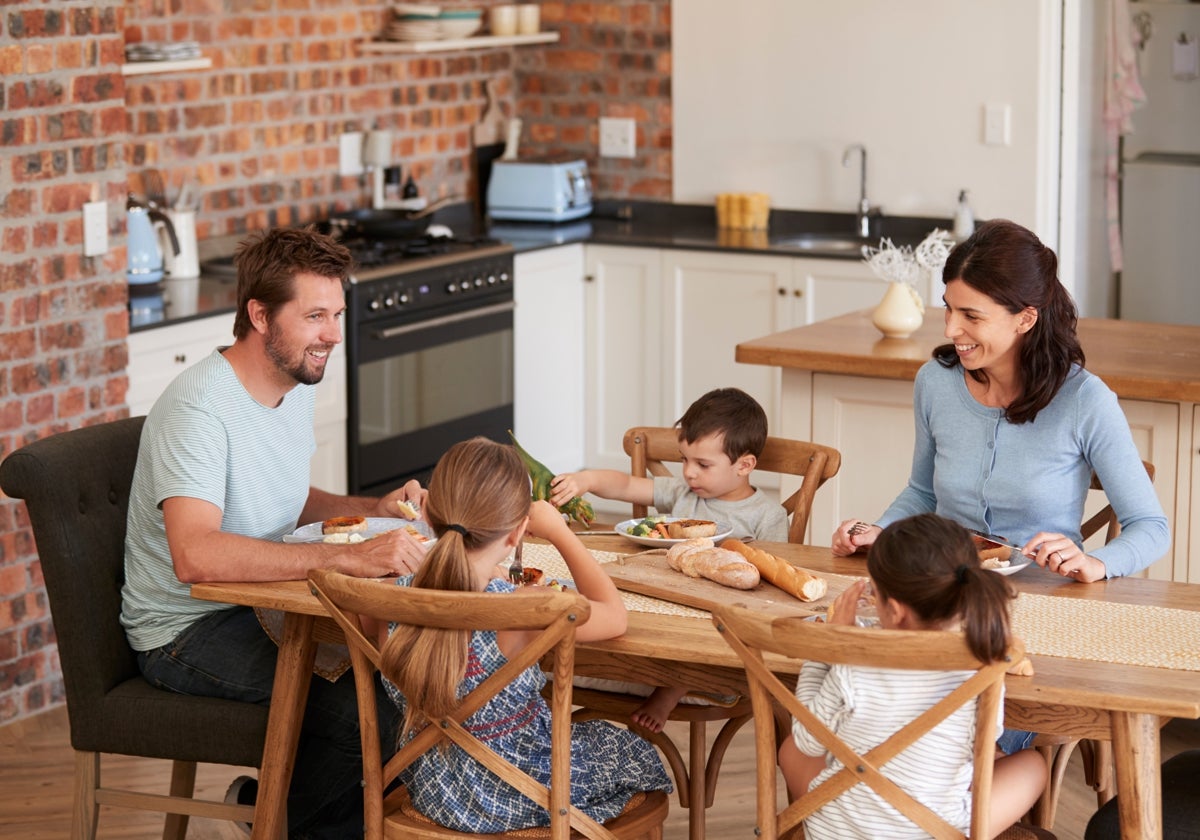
<point>547,558</point>
<point>1129,634</point>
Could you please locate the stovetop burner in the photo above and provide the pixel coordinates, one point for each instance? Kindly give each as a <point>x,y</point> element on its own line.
<point>374,253</point>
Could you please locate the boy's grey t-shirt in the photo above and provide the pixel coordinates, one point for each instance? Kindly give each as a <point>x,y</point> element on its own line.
<point>757,516</point>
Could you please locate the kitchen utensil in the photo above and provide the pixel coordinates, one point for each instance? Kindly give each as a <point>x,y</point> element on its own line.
<point>491,126</point>
<point>156,190</point>
<point>1001,541</point>
<point>516,569</point>
<point>183,261</point>
<point>387,222</point>
<point>144,249</point>
<point>513,139</point>
<point>857,528</point>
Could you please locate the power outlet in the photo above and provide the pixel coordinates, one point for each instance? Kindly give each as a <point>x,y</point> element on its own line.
<point>95,228</point>
<point>350,153</point>
<point>997,124</point>
<point>618,137</point>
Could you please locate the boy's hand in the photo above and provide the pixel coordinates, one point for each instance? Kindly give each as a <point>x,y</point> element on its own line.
<point>567,486</point>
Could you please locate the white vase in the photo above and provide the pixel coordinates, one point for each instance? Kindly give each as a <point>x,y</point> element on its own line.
<point>900,313</point>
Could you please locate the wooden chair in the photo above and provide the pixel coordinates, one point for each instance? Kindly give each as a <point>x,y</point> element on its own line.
<point>649,450</point>
<point>76,488</point>
<point>1057,749</point>
<point>754,637</point>
<point>555,615</point>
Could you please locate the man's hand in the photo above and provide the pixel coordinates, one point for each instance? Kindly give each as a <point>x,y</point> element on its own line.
<point>392,553</point>
<point>410,492</point>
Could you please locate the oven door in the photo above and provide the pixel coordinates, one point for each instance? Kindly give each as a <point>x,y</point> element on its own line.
<point>417,386</point>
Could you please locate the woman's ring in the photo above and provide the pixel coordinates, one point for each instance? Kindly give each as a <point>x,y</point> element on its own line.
<point>1058,554</point>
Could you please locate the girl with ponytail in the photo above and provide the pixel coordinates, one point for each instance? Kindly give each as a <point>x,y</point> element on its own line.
<point>479,507</point>
<point>1010,425</point>
<point>926,575</point>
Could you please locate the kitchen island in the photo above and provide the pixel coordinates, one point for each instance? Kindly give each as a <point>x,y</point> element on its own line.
<point>845,385</point>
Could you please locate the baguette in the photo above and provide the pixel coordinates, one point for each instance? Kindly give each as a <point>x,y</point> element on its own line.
<point>793,580</point>
<point>676,552</point>
<point>719,565</point>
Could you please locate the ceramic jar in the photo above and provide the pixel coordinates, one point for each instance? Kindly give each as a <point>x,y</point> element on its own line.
<point>900,313</point>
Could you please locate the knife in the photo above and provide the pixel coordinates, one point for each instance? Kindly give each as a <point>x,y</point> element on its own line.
<point>1001,541</point>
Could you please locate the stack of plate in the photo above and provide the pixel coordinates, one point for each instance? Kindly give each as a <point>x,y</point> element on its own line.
<point>162,51</point>
<point>420,22</point>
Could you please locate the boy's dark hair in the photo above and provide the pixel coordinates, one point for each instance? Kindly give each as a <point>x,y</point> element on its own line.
<point>731,413</point>
<point>268,262</point>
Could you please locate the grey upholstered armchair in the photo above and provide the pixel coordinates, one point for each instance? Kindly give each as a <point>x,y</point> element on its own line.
<point>76,487</point>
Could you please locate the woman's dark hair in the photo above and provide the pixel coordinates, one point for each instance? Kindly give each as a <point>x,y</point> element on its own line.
<point>1009,264</point>
<point>731,413</point>
<point>929,563</point>
<point>268,262</point>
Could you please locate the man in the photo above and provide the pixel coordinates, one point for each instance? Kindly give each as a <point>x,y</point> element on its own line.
<point>222,474</point>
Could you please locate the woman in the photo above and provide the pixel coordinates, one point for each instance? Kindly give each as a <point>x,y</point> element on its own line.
<point>1010,426</point>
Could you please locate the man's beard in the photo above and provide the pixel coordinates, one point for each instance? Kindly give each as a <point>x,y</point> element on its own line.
<point>300,369</point>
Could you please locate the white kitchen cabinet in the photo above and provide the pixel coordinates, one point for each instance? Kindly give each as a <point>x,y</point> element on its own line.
<point>548,352</point>
<point>157,356</point>
<point>827,288</point>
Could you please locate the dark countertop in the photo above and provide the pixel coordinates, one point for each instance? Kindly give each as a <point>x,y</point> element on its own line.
<point>628,223</point>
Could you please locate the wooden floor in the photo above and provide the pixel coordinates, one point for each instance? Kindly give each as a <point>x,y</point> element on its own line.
<point>36,765</point>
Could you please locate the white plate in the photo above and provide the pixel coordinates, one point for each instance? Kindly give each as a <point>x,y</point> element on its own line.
<point>376,525</point>
<point>623,529</point>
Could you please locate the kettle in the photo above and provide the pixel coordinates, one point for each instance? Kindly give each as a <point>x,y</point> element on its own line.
<point>144,263</point>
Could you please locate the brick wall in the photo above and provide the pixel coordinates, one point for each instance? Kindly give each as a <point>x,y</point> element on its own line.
<point>257,134</point>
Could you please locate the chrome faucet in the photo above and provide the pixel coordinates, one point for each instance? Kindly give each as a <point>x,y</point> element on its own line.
<point>863,219</point>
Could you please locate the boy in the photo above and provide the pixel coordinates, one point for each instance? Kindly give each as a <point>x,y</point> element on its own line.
<point>720,438</point>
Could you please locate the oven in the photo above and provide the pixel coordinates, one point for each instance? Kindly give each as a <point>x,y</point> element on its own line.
<point>429,362</point>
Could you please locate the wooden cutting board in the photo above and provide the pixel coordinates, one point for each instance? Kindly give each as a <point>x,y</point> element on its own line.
<point>649,574</point>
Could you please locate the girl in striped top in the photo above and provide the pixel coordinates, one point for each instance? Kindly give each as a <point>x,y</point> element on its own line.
<point>926,576</point>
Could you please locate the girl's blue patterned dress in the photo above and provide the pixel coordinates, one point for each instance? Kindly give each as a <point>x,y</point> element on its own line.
<point>608,764</point>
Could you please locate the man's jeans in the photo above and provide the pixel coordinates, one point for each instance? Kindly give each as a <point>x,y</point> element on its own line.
<point>227,654</point>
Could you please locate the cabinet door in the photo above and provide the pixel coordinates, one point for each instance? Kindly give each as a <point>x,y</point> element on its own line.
<point>622,353</point>
<point>158,355</point>
<point>870,421</point>
<point>828,288</point>
<point>710,303</point>
<point>548,338</point>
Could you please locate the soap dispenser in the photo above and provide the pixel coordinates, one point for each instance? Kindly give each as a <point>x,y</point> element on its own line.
<point>964,219</point>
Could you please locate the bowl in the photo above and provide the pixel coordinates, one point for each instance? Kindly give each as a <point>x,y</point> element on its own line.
<point>458,27</point>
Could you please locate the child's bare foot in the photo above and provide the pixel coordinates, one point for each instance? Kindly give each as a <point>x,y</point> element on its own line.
<point>653,713</point>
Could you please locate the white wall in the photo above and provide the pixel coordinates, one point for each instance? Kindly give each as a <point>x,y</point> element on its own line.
<point>768,93</point>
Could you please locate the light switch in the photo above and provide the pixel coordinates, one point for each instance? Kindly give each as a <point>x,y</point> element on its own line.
<point>997,124</point>
<point>350,153</point>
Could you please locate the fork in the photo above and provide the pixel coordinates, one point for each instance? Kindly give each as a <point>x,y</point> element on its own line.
<point>516,571</point>
<point>857,528</point>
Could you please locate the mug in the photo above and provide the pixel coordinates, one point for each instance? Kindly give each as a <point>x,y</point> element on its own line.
<point>528,19</point>
<point>503,20</point>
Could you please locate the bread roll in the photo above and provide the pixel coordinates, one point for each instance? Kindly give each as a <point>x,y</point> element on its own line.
<point>793,580</point>
<point>676,552</point>
<point>686,529</point>
<point>408,510</point>
<point>719,565</point>
<point>343,525</point>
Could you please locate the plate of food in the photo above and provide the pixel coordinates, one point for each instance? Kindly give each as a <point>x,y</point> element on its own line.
<point>656,531</point>
<point>355,529</point>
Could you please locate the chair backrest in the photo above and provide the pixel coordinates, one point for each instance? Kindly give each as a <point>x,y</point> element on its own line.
<point>76,488</point>
<point>755,636</point>
<point>555,615</point>
<point>1106,516</point>
<point>651,447</point>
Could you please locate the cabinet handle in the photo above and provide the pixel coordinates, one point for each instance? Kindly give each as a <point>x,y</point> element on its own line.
<point>798,292</point>
<point>782,292</point>
<point>589,278</point>
<point>180,358</point>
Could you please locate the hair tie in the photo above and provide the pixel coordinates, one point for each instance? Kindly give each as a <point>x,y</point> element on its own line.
<point>960,574</point>
<point>458,528</point>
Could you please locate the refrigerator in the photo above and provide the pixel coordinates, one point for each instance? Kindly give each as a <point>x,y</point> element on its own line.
<point>1160,171</point>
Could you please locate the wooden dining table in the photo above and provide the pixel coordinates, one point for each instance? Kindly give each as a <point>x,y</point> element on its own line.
<point>1077,697</point>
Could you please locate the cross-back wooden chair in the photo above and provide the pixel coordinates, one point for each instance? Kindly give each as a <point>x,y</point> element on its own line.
<point>650,449</point>
<point>756,637</point>
<point>1057,749</point>
<point>555,615</point>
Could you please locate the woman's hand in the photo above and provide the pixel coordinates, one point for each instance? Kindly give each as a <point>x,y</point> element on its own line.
<point>844,609</point>
<point>853,535</point>
<point>1060,555</point>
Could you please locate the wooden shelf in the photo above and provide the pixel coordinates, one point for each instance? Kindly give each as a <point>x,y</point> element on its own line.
<point>141,68</point>
<point>478,42</point>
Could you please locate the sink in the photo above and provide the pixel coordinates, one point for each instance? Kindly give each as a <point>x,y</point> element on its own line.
<point>830,243</point>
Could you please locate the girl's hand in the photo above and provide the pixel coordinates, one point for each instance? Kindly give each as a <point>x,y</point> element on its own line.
<point>545,521</point>
<point>853,535</point>
<point>844,609</point>
<point>1060,555</point>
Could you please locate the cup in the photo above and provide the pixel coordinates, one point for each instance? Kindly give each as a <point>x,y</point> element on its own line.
<point>529,18</point>
<point>503,20</point>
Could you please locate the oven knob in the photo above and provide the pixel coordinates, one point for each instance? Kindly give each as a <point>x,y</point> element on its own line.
<point>405,298</point>
<point>465,285</point>
<point>503,276</point>
<point>374,304</point>
<point>451,287</point>
<point>390,301</point>
<point>478,282</point>
<point>491,279</point>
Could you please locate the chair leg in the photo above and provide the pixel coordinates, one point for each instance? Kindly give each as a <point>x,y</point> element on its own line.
<point>1098,769</point>
<point>183,784</point>
<point>86,810</point>
<point>1057,758</point>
